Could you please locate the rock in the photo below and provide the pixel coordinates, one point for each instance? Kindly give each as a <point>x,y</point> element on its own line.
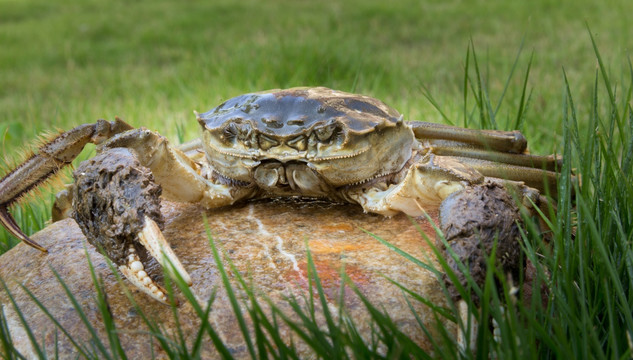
<point>265,240</point>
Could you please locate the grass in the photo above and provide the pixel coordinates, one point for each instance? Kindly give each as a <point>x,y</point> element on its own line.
<point>152,63</point>
<point>66,63</point>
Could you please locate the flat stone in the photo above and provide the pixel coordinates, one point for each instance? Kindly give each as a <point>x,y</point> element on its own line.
<point>265,240</point>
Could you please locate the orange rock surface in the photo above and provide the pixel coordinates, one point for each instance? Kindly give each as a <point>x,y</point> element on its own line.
<point>265,240</point>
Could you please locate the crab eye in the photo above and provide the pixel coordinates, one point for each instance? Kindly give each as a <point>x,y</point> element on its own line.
<point>266,142</point>
<point>244,132</point>
<point>324,133</point>
<point>229,133</point>
<point>299,143</point>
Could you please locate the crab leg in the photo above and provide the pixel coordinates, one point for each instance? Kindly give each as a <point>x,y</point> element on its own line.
<point>548,162</point>
<point>175,171</point>
<point>505,141</point>
<point>532,177</point>
<point>51,157</point>
<point>499,154</point>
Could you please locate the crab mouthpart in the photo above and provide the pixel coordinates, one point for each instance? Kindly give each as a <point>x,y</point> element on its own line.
<point>134,270</point>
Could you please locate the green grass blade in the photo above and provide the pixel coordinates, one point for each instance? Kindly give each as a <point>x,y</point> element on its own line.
<point>95,337</point>
<point>401,252</point>
<point>507,83</point>
<point>83,351</point>
<point>524,101</point>
<point>25,325</point>
<point>605,75</point>
<point>398,344</point>
<point>486,115</point>
<point>465,87</point>
<point>106,316</point>
<point>8,350</point>
<point>230,293</point>
<point>427,94</point>
<point>333,329</point>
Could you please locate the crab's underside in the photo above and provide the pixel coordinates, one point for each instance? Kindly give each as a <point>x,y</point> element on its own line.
<point>309,142</point>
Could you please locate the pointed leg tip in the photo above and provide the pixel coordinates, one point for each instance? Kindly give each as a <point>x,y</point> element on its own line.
<point>33,244</point>
<point>12,227</point>
<point>40,248</point>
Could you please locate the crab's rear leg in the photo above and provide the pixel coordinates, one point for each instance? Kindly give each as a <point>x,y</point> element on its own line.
<point>493,153</point>
<point>49,159</point>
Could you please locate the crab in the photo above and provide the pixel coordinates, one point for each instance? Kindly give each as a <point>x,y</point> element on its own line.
<point>306,142</point>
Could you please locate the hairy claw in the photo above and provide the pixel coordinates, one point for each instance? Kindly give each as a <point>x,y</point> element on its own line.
<point>117,206</point>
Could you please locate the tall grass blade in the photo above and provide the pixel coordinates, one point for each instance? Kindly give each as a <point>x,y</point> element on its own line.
<point>486,114</point>
<point>106,316</point>
<point>8,349</point>
<point>237,310</point>
<point>605,75</point>
<point>507,83</point>
<point>82,349</point>
<point>36,347</point>
<point>525,100</point>
<point>465,87</point>
<point>333,329</point>
<point>95,337</point>
<point>427,94</point>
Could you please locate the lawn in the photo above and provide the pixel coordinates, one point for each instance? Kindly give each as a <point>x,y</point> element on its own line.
<point>504,64</point>
<point>66,63</point>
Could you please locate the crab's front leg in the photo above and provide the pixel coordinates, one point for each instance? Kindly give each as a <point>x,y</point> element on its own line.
<point>115,199</point>
<point>426,184</point>
<point>50,157</point>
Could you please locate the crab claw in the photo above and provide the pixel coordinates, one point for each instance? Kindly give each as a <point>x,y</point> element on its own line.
<point>153,241</point>
<point>117,206</point>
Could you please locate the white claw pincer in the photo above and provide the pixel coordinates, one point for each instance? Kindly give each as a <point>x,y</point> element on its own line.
<point>152,239</point>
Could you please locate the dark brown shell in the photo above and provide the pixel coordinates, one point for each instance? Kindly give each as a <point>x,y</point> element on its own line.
<point>285,113</point>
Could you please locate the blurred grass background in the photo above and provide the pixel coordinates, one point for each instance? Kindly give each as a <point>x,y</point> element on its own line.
<point>64,63</point>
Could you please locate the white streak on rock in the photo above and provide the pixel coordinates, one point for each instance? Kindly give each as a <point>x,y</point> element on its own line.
<point>280,241</point>
<point>290,256</point>
<point>262,230</point>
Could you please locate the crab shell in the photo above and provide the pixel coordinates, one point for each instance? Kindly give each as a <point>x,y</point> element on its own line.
<point>326,131</point>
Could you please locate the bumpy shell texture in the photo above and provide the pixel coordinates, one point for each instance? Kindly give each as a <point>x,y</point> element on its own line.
<point>294,111</point>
